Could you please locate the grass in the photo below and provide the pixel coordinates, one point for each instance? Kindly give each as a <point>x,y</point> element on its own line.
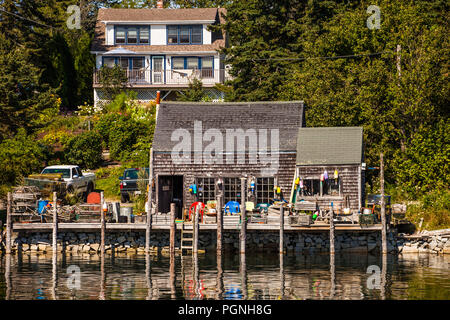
<point>108,181</point>
<point>433,208</point>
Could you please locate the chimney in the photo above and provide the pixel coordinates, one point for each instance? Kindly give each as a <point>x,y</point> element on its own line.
<point>160,4</point>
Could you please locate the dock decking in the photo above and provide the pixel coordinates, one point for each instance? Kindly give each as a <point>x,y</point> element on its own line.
<point>202,227</point>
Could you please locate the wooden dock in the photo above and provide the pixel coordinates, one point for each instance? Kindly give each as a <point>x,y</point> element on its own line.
<point>203,227</point>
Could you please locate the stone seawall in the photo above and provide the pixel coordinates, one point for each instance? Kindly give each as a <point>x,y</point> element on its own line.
<point>256,241</point>
<point>301,242</point>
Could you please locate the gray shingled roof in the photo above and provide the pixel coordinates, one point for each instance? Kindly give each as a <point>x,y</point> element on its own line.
<point>287,117</point>
<point>329,146</point>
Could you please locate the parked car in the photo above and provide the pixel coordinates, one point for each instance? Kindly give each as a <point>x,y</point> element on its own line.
<point>70,177</point>
<point>129,182</point>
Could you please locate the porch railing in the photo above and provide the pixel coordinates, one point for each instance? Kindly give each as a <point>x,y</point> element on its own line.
<point>171,77</point>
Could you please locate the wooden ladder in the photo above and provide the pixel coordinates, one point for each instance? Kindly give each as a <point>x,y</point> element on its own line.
<point>187,238</point>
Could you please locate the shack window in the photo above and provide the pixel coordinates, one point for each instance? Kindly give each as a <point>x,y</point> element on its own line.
<point>232,188</point>
<point>311,187</point>
<point>264,189</point>
<point>206,189</point>
<point>330,187</point>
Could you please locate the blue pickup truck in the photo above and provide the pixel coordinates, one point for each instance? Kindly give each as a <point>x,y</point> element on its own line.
<point>129,182</point>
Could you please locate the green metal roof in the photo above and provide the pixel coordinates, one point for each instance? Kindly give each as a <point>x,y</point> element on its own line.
<point>330,146</point>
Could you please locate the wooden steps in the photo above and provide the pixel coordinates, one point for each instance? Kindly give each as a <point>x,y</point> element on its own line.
<point>187,235</point>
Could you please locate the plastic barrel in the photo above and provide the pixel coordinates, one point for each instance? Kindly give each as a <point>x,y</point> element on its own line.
<point>126,212</point>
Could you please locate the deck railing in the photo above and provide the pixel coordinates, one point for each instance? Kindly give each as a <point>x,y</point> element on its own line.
<point>171,77</point>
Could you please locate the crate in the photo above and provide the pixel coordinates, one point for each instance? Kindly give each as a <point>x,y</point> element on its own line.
<point>300,220</point>
<point>367,219</point>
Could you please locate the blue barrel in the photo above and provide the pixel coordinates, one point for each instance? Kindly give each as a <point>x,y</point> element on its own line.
<point>42,204</point>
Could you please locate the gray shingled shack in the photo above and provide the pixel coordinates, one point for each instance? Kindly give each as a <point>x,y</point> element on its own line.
<point>187,142</point>
<point>326,151</point>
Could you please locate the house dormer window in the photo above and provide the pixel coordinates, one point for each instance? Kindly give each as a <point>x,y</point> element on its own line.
<point>184,34</point>
<point>132,35</point>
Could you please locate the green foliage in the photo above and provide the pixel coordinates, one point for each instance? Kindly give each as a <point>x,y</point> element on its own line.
<point>24,102</point>
<point>195,92</point>
<point>19,157</point>
<point>108,181</point>
<point>127,128</point>
<point>113,80</point>
<point>275,52</point>
<point>85,150</point>
<point>122,137</point>
<point>433,208</point>
<point>424,166</point>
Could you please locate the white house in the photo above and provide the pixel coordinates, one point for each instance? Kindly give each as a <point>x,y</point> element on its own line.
<point>160,49</point>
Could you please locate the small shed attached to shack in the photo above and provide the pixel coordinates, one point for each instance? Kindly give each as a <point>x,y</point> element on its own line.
<point>330,167</point>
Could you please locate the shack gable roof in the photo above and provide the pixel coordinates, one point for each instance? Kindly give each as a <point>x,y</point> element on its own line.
<point>287,117</point>
<point>330,146</point>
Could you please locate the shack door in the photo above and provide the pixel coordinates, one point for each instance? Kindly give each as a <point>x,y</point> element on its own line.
<point>170,190</point>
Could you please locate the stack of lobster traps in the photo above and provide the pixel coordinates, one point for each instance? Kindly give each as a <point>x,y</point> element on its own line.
<point>24,204</point>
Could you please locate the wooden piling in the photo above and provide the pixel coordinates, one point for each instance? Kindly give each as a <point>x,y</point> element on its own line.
<point>383,280</point>
<point>332,232</point>
<point>103,224</point>
<point>281,229</point>
<point>219,280</point>
<point>172,230</point>
<point>54,274</point>
<point>219,224</point>
<point>196,231</point>
<point>148,278</point>
<point>102,276</point>
<point>333,276</point>
<point>149,205</point>
<point>55,223</point>
<point>8,224</point>
<point>8,282</point>
<point>384,249</point>
<point>243,234</point>
<point>282,277</point>
<point>243,272</point>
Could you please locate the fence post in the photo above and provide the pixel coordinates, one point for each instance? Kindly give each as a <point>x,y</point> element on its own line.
<point>281,229</point>
<point>243,235</point>
<point>103,225</point>
<point>55,222</point>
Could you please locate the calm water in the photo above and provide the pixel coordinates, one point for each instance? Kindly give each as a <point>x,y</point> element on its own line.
<point>300,277</point>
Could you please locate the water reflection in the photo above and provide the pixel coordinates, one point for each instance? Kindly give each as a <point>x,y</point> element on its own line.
<point>227,276</point>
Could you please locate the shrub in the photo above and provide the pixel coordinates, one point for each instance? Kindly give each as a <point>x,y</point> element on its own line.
<point>19,157</point>
<point>104,126</point>
<point>85,150</point>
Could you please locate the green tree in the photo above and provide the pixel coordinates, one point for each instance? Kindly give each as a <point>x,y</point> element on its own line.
<point>24,101</point>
